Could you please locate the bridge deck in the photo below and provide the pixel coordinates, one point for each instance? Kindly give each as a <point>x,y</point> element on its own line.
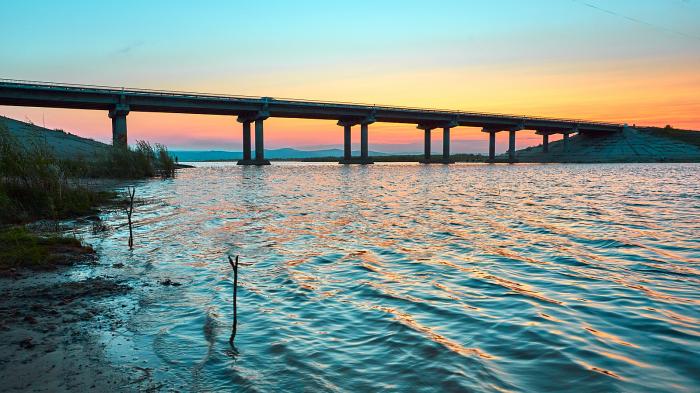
<point>55,95</point>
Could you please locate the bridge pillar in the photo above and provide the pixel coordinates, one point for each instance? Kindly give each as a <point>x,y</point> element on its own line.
<point>364,141</point>
<point>446,145</point>
<point>259,159</point>
<point>246,141</point>
<point>492,146</point>
<point>347,143</point>
<point>427,140</point>
<point>545,142</point>
<point>428,127</point>
<point>118,116</point>
<point>565,141</point>
<point>511,145</point>
<point>260,144</point>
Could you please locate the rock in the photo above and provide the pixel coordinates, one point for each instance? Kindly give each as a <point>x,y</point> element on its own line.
<point>27,343</point>
<point>30,319</point>
<point>118,265</point>
<point>169,282</point>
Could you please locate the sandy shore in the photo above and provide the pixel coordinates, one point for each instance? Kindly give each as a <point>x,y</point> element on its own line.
<point>53,327</point>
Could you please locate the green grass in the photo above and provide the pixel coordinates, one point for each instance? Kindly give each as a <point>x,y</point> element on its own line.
<point>20,248</point>
<point>34,184</point>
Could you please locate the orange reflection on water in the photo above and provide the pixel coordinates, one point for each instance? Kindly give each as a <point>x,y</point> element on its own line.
<point>608,337</point>
<point>622,358</point>
<point>410,322</point>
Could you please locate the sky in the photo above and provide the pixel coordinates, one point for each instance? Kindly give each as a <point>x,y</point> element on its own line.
<point>627,61</point>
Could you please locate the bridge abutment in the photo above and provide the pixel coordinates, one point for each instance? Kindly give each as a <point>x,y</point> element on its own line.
<point>119,134</point>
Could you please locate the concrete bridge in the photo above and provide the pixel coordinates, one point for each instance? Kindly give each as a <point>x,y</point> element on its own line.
<point>119,102</point>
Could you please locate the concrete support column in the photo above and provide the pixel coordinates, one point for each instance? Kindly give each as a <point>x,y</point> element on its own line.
<point>565,141</point>
<point>492,146</point>
<point>511,146</point>
<point>446,145</point>
<point>426,144</point>
<point>246,141</point>
<point>259,142</point>
<point>347,145</point>
<point>118,116</point>
<point>364,141</point>
<point>246,119</point>
<point>545,142</point>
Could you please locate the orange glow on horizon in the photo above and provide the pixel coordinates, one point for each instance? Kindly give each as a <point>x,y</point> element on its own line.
<point>628,92</point>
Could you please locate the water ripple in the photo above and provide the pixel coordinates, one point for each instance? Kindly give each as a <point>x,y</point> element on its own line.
<point>421,278</point>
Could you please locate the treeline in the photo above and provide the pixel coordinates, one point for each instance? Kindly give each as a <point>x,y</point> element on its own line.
<point>34,184</point>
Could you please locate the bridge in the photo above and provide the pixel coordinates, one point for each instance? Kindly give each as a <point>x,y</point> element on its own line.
<point>119,102</point>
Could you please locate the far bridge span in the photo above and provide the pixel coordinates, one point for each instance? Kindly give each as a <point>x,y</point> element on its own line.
<point>254,110</point>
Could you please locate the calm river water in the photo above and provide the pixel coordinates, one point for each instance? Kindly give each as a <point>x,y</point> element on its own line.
<point>402,277</point>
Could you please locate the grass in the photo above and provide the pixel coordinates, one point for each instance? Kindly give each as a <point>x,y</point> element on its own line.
<point>34,185</point>
<point>687,136</point>
<point>21,248</point>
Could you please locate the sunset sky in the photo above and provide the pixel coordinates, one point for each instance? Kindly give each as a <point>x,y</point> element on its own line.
<point>633,61</point>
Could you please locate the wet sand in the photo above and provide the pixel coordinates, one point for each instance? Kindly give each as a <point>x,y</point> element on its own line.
<point>52,329</point>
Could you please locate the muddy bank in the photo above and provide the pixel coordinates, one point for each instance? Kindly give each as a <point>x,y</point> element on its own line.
<point>50,329</point>
<point>59,317</point>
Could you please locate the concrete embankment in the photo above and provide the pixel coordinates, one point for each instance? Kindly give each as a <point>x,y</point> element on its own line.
<point>630,145</point>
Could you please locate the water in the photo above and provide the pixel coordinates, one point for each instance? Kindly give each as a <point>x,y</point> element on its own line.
<point>417,278</point>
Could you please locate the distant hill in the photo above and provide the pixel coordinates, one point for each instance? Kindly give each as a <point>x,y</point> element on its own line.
<point>63,144</point>
<point>272,154</point>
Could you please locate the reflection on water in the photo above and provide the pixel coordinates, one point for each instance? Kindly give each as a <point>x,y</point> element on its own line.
<point>410,277</point>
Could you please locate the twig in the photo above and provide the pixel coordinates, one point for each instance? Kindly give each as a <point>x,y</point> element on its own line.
<point>234,266</point>
<point>131,192</point>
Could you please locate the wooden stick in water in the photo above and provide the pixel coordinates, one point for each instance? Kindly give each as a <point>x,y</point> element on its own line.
<point>132,192</point>
<point>234,266</point>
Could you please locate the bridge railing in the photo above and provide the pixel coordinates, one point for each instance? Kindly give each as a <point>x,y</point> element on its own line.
<point>228,97</point>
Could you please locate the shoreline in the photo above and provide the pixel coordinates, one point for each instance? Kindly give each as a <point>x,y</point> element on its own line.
<point>382,159</point>
<point>55,320</point>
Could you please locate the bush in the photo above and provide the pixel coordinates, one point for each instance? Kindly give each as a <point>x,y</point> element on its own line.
<point>141,162</point>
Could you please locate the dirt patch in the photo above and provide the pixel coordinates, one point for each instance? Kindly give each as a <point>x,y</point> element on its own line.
<point>50,326</point>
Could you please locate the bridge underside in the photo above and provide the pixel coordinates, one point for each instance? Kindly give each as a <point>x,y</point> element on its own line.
<point>254,110</point>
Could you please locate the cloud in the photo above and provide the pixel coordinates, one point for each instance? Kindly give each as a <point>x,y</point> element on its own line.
<point>128,48</point>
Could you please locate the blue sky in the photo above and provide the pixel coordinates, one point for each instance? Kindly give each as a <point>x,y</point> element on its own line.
<point>441,53</point>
